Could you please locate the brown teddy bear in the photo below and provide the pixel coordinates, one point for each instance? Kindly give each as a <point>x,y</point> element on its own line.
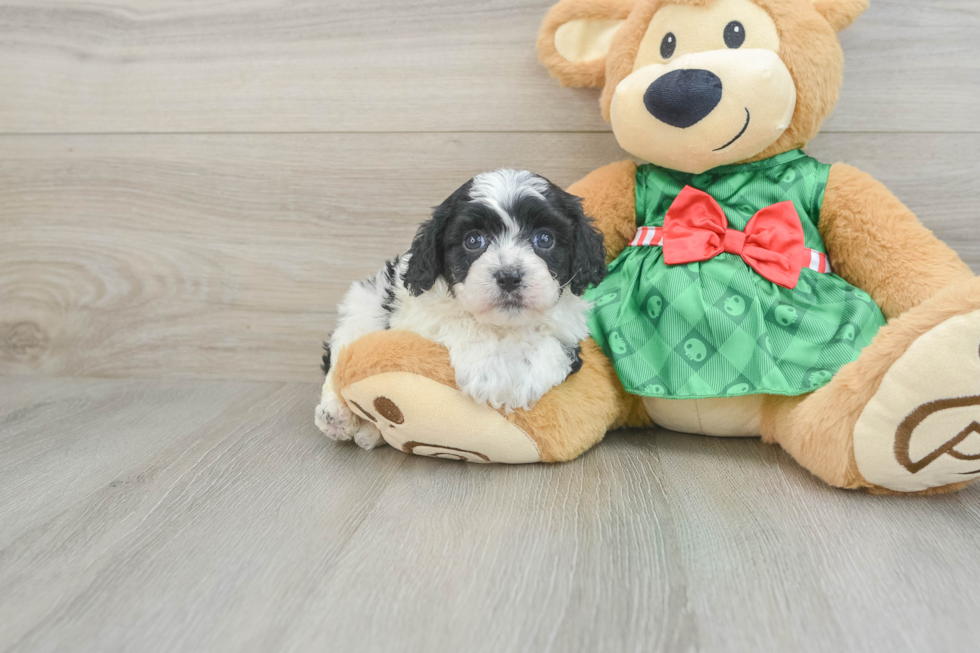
<point>749,285</point>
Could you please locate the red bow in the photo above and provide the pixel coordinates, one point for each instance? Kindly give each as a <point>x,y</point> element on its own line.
<point>696,229</point>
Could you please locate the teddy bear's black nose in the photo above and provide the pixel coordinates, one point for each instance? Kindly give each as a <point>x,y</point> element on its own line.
<point>682,98</point>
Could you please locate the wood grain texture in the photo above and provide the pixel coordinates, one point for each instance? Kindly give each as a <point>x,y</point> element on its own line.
<point>246,530</point>
<point>388,65</point>
<point>225,256</point>
<point>48,463</point>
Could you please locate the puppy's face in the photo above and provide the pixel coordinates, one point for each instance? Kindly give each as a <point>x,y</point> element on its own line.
<point>508,243</point>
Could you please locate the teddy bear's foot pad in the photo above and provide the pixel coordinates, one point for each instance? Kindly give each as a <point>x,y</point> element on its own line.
<point>420,416</point>
<point>922,427</point>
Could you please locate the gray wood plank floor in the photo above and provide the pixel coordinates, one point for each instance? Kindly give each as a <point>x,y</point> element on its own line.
<point>212,516</point>
<point>185,191</point>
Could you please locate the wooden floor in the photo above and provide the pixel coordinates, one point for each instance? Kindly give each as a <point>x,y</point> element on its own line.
<point>186,188</point>
<point>209,516</point>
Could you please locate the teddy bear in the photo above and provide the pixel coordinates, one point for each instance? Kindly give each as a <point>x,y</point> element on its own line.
<point>751,291</point>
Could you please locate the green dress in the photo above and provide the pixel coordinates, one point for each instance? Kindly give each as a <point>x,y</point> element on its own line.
<point>717,328</point>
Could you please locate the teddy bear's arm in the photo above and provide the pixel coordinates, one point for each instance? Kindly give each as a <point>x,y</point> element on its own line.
<point>609,197</point>
<point>877,244</point>
<point>405,385</point>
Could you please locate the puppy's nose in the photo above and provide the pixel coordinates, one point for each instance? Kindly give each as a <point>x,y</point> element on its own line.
<point>509,279</point>
<point>683,98</point>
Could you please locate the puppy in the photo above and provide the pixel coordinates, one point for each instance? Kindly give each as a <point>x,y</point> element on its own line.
<point>496,276</point>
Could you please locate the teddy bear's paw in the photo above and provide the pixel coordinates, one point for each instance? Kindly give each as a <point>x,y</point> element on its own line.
<point>921,429</point>
<point>417,415</point>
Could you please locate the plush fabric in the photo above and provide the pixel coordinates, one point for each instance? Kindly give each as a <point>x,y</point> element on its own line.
<point>583,73</point>
<point>393,351</point>
<point>736,417</point>
<point>939,442</point>
<point>877,243</point>
<point>840,13</point>
<point>418,415</point>
<point>818,429</point>
<point>580,41</point>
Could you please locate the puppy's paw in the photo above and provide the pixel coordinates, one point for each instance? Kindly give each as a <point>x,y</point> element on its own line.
<point>522,398</point>
<point>338,423</point>
<point>336,420</point>
<point>525,391</point>
<point>503,393</point>
<point>367,436</point>
<point>522,395</point>
<point>503,379</point>
<point>511,390</point>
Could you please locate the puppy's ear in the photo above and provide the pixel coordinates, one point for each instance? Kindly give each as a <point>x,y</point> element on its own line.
<point>427,260</point>
<point>588,251</point>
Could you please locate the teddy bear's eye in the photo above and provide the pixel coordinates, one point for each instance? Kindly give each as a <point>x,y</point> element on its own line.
<point>734,34</point>
<point>668,45</point>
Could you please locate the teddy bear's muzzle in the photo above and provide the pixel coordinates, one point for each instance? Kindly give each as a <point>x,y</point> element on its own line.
<point>683,98</point>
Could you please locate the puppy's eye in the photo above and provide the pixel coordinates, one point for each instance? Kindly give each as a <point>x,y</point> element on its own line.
<point>474,241</point>
<point>544,239</point>
<point>734,35</point>
<point>668,45</point>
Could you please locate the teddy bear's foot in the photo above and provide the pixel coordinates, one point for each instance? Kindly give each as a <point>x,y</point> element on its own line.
<point>921,429</point>
<point>420,416</point>
<point>905,416</point>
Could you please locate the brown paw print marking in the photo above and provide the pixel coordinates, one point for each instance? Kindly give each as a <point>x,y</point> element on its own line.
<point>363,412</point>
<point>387,409</point>
<point>409,447</point>
<point>903,437</point>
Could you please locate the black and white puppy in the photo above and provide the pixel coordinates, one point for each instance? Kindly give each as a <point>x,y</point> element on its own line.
<point>496,276</point>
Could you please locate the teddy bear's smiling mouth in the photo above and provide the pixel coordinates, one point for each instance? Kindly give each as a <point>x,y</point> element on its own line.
<point>748,118</point>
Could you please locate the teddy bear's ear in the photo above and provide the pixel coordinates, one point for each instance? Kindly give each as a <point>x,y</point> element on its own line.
<point>840,13</point>
<point>575,38</point>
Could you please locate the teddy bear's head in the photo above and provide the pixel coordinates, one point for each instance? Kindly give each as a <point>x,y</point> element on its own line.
<point>694,84</point>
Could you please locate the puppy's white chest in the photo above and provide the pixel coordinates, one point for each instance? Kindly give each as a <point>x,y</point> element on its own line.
<point>506,367</point>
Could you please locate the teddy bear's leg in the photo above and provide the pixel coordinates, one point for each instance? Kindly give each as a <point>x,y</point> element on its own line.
<point>574,416</point>
<point>404,384</point>
<point>904,417</point>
